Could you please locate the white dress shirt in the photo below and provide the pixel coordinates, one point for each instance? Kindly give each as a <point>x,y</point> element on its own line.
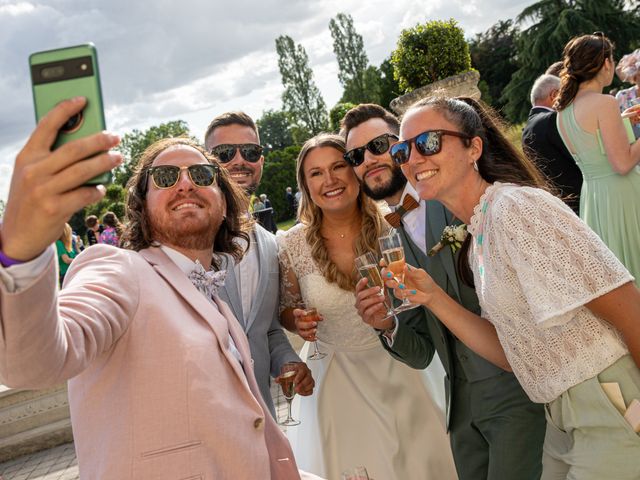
<point>246,273</point>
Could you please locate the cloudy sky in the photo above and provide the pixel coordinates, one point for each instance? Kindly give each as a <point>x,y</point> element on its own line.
<point>164,60</point>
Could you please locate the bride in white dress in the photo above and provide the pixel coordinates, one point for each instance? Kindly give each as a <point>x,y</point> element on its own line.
<point>367,408</point>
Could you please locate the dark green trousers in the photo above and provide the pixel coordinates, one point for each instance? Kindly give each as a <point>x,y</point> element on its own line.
<point>496,431</point>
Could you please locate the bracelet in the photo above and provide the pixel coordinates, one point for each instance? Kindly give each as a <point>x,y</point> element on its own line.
<point>8,261</point>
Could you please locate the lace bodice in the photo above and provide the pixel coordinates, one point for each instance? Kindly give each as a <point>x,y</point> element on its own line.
<point>541,264</point>
<point>301,280</point>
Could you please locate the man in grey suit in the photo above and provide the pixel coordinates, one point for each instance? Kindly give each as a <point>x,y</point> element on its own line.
<point>496,432</point>
<point>253,291</point>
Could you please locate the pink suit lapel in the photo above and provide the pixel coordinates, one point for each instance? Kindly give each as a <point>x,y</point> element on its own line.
<point>222,327</point>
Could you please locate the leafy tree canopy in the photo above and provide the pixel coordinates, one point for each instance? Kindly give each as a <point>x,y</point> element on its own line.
<point>302,99</point>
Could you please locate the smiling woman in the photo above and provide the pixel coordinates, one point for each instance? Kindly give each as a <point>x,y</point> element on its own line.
<point>355,410</point>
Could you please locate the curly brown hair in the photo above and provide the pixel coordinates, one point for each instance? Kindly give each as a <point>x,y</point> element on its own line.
<point>311,215</point>
<point>137,233</point>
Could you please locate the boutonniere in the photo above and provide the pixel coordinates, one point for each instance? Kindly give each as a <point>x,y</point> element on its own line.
<point>453,236</point>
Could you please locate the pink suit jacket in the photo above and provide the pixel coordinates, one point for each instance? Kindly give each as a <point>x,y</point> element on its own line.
<point>154,391</point>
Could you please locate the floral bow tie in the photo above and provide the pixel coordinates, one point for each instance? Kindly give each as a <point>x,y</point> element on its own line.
<point>395,218</point>
<point>207,282</point>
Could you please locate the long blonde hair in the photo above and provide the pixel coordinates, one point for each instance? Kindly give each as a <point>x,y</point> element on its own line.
<point>67,238</point>
<point>311,216</point>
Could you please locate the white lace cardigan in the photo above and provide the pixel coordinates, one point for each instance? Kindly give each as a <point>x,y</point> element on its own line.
<point>535,266</point>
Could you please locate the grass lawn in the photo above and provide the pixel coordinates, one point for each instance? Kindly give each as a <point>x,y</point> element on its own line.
<point>287,224</point>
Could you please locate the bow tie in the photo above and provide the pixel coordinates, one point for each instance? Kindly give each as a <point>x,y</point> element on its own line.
<point>207,283</point>
<point>408,203</point>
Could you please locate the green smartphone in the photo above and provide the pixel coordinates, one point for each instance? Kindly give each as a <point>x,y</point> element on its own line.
<point>64,73</point>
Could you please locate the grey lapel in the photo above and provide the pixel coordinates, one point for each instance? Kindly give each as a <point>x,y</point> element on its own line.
<point>229,292</point>
<point>437,220</point>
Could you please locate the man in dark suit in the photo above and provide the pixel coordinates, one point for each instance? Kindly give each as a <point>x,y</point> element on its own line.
<point>542,142</point>
<point>496,432</point>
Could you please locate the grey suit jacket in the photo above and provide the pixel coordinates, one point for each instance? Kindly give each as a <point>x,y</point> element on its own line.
<point>420,334</point>
<point>269,345</point>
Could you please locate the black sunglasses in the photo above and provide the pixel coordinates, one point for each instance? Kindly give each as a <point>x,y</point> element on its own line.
<point>427,143</point>
<point>201,175</point>
<point>377,146</point>
<point>225,152</point>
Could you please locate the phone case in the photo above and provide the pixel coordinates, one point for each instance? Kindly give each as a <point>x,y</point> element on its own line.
<point>65,73</point>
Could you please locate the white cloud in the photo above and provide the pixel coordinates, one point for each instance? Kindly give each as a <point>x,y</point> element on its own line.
<point>193,59</point>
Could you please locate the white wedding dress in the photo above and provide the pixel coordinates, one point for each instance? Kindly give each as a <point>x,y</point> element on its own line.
<point>367,408</point>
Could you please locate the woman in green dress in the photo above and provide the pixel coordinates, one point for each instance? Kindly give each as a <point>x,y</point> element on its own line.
<point>65,251</point>
<point>590,124</point>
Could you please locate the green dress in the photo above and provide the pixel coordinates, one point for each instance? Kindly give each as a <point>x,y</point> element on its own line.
<point>62,266</point>
<point>609,202</point>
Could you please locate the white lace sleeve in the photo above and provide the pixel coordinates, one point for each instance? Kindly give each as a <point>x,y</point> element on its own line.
<point>290,295</point>
<point>560,263</point>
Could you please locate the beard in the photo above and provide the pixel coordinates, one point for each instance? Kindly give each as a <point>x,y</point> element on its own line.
<point>191,232</point>
<point>396,184</point>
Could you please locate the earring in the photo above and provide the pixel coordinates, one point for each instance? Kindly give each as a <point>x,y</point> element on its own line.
<point>475,166</point>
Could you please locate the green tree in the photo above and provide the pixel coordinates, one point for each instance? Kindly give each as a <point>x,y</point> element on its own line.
<point>3,204</point>
<point>337,113</point>
<point>278,174</point>
<point>353,64</point>
<point>135,142</point>
<point>430,52</point>
<point>302,99</point>
<point>493,55</point>
<point>389,88</point>
<point>553,24</point>
<point>275,130</point>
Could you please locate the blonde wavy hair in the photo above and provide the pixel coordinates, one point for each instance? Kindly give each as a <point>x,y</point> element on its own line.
<point>310,215</point>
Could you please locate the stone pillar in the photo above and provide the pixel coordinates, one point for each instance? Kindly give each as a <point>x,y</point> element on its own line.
<point>33,420</point>
<point>465,85</point>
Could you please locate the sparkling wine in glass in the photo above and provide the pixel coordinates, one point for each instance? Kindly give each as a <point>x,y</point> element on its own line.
<point>312,315</point>
<point>287,375</point>
<point>368,268</point>
<point>355,473</point>
<point>393,254</point>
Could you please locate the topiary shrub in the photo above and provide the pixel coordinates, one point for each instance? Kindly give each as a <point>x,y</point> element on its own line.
<point>430,52</point>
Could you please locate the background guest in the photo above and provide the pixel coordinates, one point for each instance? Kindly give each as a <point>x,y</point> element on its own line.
<point>628,70</point>
<point>112,229</point>
<point>590,125</point>
<point>93,230</point>
<point>65,251</point>
<point>541,141</point>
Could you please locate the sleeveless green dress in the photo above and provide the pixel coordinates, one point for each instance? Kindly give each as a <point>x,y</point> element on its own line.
<point>609,202</point>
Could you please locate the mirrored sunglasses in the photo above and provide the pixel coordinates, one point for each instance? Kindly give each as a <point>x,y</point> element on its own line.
<point>427,143</point>
<point>201,175</point>
<point>225,152</point>
<point>377,146</point>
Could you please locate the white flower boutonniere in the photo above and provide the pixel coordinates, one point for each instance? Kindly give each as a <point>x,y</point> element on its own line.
<point>452,235</point>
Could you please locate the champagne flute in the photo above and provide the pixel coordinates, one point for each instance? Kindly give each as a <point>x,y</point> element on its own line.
<point>368,268</point>
<point>311,314</point>
<point>287,376</point>
<point>393,253</point>
<point>356,473</point>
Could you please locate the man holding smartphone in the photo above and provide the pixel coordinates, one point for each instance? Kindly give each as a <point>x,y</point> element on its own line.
<point>161,383</point>
<point>253,288</point>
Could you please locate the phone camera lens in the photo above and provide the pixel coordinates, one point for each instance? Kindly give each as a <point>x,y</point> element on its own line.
<point>73,124</point>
